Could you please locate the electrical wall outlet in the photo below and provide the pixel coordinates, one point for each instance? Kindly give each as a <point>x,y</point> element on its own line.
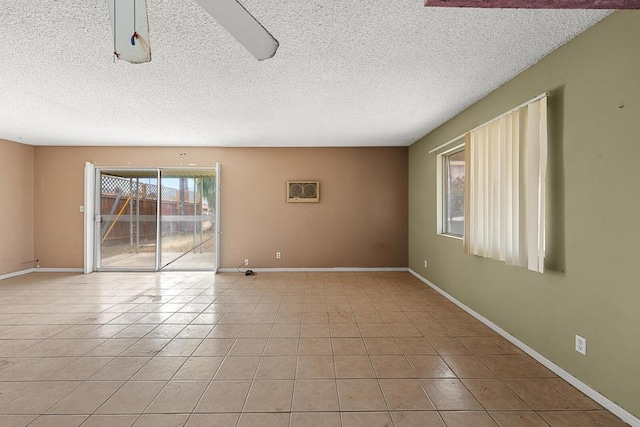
<point>246,261</point>
<point>581,345</point>
<point>425,263</point>
<point>278,255</point>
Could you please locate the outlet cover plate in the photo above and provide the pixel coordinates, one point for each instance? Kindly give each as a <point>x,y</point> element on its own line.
<point>581,345</point>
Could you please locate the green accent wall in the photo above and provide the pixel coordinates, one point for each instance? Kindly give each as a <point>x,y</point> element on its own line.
<point>592,283</point>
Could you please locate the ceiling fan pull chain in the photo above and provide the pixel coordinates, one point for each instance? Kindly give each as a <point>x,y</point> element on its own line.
<point>116,55</point>
<point>135,33</point>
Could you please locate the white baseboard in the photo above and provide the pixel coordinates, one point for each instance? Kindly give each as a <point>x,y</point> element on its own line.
<point>602,400</point>
<point>16,273</point>
<point>227,270</point>
<point>58,270</point>
<point>41,270</point>
<point>305,269</point>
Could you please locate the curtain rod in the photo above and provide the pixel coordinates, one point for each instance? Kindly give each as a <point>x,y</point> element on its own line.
<point>524,104</point>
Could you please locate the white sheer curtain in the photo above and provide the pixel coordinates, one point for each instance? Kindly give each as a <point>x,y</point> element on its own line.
<point>505,195</point>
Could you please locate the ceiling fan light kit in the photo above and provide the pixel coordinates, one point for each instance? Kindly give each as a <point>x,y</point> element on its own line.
<point>130,26</point>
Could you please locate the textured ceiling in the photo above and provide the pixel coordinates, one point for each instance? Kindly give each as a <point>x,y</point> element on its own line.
<point>348,73</point>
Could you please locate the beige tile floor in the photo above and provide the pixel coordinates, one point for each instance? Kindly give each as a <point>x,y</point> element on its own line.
<point>279,349</point>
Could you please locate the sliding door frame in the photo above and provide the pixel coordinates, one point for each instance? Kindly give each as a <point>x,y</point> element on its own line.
<point>92,215</point>
<point>217,218</point>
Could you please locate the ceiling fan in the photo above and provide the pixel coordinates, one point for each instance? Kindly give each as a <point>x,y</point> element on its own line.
<point>131,28</point>
<point>537,4</point>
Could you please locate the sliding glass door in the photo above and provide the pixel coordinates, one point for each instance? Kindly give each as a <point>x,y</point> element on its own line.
<point>156,219</point>
<point>187,220</point>
<point>127,230</point>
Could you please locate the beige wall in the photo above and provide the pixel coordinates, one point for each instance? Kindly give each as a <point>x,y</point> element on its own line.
<point>592,285</point>
<point>16,207</point>
<point>361,220</point>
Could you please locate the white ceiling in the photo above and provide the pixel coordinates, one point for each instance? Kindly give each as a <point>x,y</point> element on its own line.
<point>348,73</point>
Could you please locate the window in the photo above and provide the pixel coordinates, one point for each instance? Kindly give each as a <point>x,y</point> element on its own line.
<point>491,187</point>
<point>451,192</point>
<point>454,168</point>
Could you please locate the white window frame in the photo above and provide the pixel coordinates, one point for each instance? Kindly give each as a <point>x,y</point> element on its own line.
<point>440,192</point>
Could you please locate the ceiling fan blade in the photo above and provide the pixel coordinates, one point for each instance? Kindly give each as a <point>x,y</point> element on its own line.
<point>130,30</point>
<point>243,26</point>
<point>537,4</point>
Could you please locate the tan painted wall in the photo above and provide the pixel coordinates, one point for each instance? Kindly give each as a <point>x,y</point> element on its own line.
<point>361,220</point>
<point>16,207</point>
<point>592,287</point>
